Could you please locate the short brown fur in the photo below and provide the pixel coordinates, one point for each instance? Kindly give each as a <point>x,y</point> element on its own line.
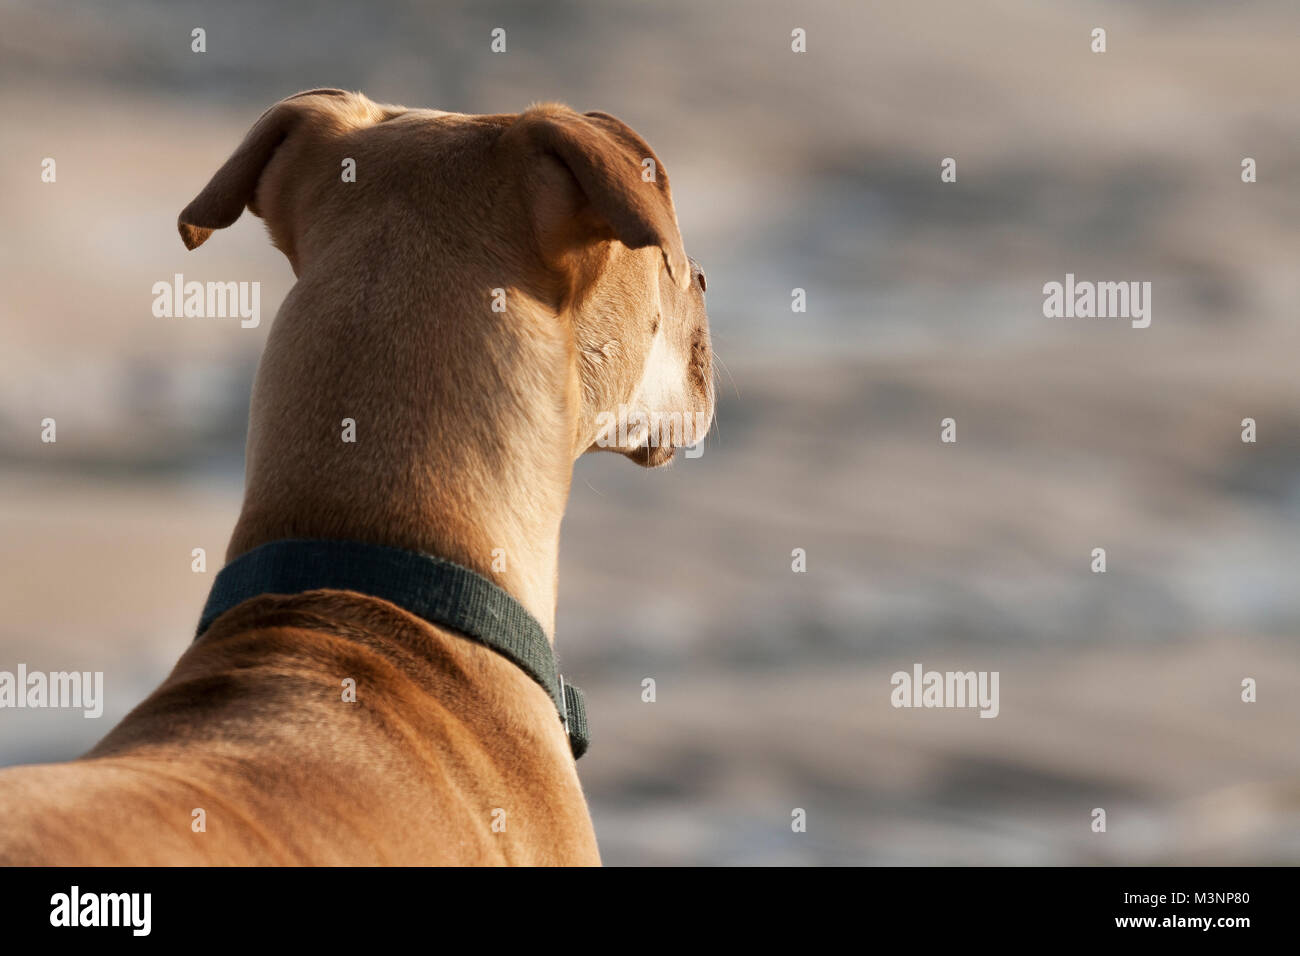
<point>468,422</point>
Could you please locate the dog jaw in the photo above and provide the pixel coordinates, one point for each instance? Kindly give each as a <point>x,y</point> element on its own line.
<point>647,382</point>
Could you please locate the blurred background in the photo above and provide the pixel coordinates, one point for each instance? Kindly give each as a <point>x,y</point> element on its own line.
<point>819,171</point>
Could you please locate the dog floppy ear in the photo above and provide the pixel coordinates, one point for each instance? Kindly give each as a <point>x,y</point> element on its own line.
<point>622,189</point>
<point>233,187</point>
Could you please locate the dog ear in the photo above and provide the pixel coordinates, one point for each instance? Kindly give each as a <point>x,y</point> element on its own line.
<point>233,187</point>
<point>622,188</point>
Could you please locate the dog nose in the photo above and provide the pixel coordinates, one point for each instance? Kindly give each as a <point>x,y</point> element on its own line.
<point>697,273</point>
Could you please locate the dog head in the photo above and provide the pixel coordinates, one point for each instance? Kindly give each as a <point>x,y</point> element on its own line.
<point>572,212</point>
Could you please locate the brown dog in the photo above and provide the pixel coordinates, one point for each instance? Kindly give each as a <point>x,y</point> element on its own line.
<point>482,302</point>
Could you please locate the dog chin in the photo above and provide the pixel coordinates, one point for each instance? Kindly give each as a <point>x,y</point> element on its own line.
<point>652,456</point>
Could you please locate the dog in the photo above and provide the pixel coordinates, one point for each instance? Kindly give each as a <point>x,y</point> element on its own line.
<point>477,298</point>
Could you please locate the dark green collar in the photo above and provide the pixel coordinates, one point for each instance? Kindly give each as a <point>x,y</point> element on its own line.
<point>440,592</point>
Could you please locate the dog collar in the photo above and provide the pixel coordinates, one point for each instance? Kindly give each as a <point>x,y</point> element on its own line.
<point>439,591</point>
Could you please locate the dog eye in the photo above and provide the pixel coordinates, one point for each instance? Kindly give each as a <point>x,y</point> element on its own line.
<point>703,285</point>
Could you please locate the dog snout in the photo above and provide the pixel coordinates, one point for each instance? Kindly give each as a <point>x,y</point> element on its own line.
<point>702,354</point>
<point>701,369</point>
<point>697,274</point>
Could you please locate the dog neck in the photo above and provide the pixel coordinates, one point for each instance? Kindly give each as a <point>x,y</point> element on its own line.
<point>462,442</point>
